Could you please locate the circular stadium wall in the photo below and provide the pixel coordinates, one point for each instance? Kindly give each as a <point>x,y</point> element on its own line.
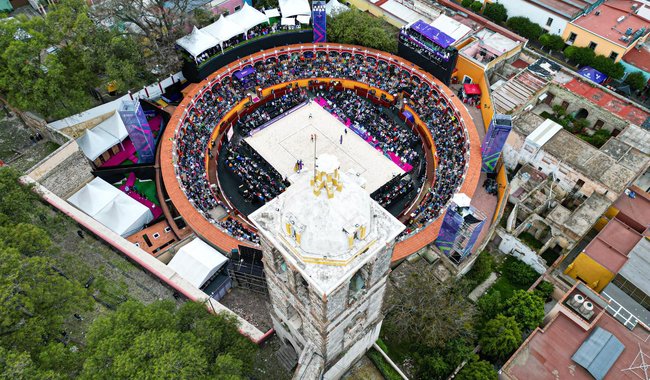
<point>177,186</point>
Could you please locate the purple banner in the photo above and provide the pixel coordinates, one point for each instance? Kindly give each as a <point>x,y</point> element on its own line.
<point>320,21</point>
<point>433,34</point>
<point>441,55</point>
<point>409,116</point>
<point>472,239</point>
<point>449,231</point>
<point>244,73</point>
<point>495,139</point>
<point>139,130</point>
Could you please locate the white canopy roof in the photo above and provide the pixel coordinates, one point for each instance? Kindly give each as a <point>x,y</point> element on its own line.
<point>111,207</point>
<point>273,12</point>
<point>288,21</point>
<point>223,29</point>
<point>197,42</point>
<point>197,262</point>
<point>333,7</point>
<point>102,137</point>
<point>248,17</point>
<point>95,142</point>
<point>290,8</point>
<point>303,19</point>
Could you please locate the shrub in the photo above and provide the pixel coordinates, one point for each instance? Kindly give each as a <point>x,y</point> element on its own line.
<point>482,268</point>
<point>495,12</point>
<point>581,55</point>
<point>525,28</point>
<point>636,80</point>
<point>476,6</point>
<point>467,3</point>
<point>518,272</point>
<point>545,290</point>
<point>580,125</point>
<point>598,139</point>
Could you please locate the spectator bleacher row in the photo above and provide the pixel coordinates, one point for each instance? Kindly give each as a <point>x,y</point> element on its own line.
<point>448,133</point>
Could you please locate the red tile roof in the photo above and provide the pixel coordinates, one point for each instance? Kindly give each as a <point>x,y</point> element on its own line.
<point>624,109</point>
<point>606,24</point>
<point>547,353</point>
<point>639,58</point>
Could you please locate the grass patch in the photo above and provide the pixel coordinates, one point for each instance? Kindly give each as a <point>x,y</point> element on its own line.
<point>505,287</point>
<point>382,365</point>
<point>531,241</point>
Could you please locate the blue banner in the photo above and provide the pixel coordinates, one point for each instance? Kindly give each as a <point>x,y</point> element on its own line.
<point>472,239</point>
<point>592,74</point>
<point>495,139</point>
<point>320,21</point>
<point>139,130</point>
<point>449,231</point>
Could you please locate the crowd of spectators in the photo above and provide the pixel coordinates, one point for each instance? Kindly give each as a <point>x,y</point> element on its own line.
<point>270,110</point>
<point>448,134</point>
<point>393,190</point>
<point>260,181</point>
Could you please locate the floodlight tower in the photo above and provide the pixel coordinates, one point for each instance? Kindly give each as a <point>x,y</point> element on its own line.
<point>327,248</point>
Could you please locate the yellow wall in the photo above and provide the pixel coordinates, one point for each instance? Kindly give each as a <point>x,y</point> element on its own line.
<point>585,37</point>
<point>595,275</point>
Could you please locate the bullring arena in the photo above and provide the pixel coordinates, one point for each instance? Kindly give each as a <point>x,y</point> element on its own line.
<point>237,138</point>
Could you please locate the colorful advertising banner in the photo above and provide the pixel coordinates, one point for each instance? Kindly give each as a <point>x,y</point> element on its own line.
<point>449,231</point>
<point>139,130</point>
<point>320,21</point>
<point>495,139</point>
<point>472,239</point>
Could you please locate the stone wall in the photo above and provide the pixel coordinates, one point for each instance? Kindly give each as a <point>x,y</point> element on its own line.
<point>64,171</point>
<point>515,247</point>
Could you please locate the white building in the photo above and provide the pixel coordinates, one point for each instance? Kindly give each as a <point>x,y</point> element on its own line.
<point>327,247</point>
<point>552,15</point>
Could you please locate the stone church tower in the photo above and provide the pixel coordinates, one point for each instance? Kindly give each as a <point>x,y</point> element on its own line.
<point>327,247</point>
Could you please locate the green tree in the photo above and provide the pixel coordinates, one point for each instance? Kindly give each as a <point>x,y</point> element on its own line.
<point>500,337</point>
<point>545,290</point>
<point>495,12</point>
<point>440,363</point>
<point>526,307</point>
<point>483,266</point>
<point>518,272</point>
<point>161,341</point>
<point>608,67</point>
<point>15,199</point>
<point>20,366</point>
<point>362,28</point>
<point>524,27</point>
<point>467,3</point>
<point>429,313</point>
<point>35,300</point>
<point>489,305</point>
<point>476,6</point>
<point>26,238</point>
<point>636,80</point>
<point>583,56</point>
<point>551,41</point>
<point>477,370</point>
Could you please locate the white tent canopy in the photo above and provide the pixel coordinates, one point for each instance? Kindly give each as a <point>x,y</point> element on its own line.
<point>103,137</point>
<point>273,12</point>
<point>333,7</point>
<point>111,207</point>
<point>288,21</point>
<point>197,262</point>
<point>223,29</point>
<point>248,17</point>
<point>197,42</point>
<point>303,19</point>
<point>290,8</point>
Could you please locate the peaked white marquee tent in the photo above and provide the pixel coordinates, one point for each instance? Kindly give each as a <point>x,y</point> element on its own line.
<point>223,29</point>
<point>111,207</point>
<point>197,42</point>
<point>248,17</point>
<point>333,7</point>
<point>102,137</point>
<point>197,262</point>
<point>290,8</point>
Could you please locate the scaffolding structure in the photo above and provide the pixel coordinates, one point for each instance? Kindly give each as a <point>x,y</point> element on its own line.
<point>246,269</point>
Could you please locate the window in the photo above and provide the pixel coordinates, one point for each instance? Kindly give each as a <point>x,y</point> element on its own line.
<point>237,8</point>
<point>549,21</point>
<point>156,235</point>
<point>613,55</point>
<point>599,124</point>
<point>572,38</point>
<point>467,79</point>
<point>592,45</point>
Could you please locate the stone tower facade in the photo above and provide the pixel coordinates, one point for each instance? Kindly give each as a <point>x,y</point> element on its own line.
<point>327,248</point>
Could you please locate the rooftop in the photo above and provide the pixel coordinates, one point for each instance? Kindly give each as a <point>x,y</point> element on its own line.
<point>582,219</point>
<point>624,109</point>
<point>613,20</point>
<point>548,352</point>
<point>612,245</point>
<point>635,209</point>
<point>517,91</point>
<point>566,8</point>
<point>639,57</point>
<point>638,265</point>
<point>451,27</point>
<point>327,228</point>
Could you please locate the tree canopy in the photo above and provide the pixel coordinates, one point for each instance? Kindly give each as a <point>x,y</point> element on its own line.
<point>636,80</point>
<point>526,307</point>
<point>551,41</point>
<point>53,64</point>
<point>164,342</point>
<point>361,28</point>
<point>580,55</point>
<point>525,28</point>
<point>477,370</point>
<point>500,337</point>
<point>495,12</point>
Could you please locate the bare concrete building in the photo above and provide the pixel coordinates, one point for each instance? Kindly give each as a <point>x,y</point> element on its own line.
<point>327,247</point>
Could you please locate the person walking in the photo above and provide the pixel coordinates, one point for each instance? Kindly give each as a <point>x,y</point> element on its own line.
<point>341,141</point>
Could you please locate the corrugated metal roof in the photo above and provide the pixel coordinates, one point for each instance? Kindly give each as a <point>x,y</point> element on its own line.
<point>544,132</point>
<point>598,353</point>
